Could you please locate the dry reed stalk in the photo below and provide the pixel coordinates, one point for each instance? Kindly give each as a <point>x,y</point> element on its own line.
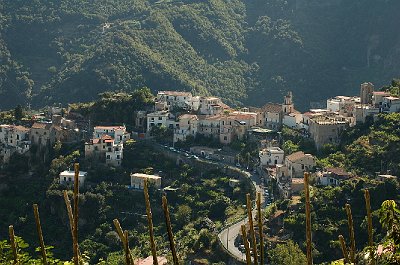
<point>150,222</point>
<point>40,233</point>
<point>251,223</point>
<point>369,217</point>
<point>351,233</point>
<point>70,215</point>
<point>370,229</point>
<point>69,211</point>
<point>260,228</point>
<point>169,229</point>
<point>125,242</point>
<point>344,249</point>
<point>126,247</point>
<point>308,218</point>
<point>246,245</point>
<point>76,216</point>
<point>12,243</point>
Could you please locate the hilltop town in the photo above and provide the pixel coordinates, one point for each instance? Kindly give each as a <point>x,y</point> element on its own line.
<point>187,116</point>
<point>203,131</point>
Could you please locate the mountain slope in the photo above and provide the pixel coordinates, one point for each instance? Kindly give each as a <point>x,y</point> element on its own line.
<point>244,51</point>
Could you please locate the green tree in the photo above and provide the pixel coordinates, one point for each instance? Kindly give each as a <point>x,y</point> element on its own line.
<point>18,112</point>
<point>290,147</point>
<point>288,254</point>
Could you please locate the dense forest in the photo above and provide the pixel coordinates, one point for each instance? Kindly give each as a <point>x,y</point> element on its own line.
<point>247,52</point>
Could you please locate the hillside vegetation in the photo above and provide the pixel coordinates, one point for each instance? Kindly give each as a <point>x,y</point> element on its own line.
<point>244,51</point>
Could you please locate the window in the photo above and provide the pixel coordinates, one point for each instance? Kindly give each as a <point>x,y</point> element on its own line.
<point>118,156</point>
<point>65,178</point>
<point>302,166</point>
<point>108,157</point>
<point>159,118</point>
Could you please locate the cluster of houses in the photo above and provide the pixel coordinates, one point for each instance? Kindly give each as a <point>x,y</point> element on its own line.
<point>189,116</point>
<point>45,131</point>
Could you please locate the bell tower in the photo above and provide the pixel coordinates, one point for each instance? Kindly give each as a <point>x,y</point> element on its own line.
<point>288,106</point>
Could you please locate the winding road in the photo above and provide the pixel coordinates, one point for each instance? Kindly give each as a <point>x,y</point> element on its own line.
<point>228,235</point>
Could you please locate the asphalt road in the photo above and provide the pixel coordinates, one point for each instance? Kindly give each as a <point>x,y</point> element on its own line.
<point>228,235</point>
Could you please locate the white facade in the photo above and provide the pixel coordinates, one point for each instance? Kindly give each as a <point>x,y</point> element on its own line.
<point>210,106</point>
<point>177,99</point>
<point>137,180</point>
<point>117,132</point>
<point>67,177</point>
<point>292,120</point>
<point>158,118</point>
<point>271,156</point>
<point>114,154</point>
<point>391,104</point>
<point>188,125</point>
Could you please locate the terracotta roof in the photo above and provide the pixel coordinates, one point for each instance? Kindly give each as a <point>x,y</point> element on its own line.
<point>380,93</point>
<point>21,128</point>
<point>272,107</point>
<point>41,125</point>
<point>295,156</point>
<point>214,117</point>
<point>94,141</point>
<point>188,116</point>
<point>241,116</point>
<point>106,137</point>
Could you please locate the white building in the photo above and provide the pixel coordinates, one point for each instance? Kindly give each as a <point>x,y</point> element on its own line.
<point>377,98</point>
<point>137,180</point>
<point>188,126</point>
<point>212,106</point>
<point>161,118</point>
<point>292,120</point>
<point>178,99</point>
<point>13,139</point>
<point>332,176</point>
<point>118,133</point>
<point>271,156</point>
<point>391,104</point>
<point>67,177</point>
